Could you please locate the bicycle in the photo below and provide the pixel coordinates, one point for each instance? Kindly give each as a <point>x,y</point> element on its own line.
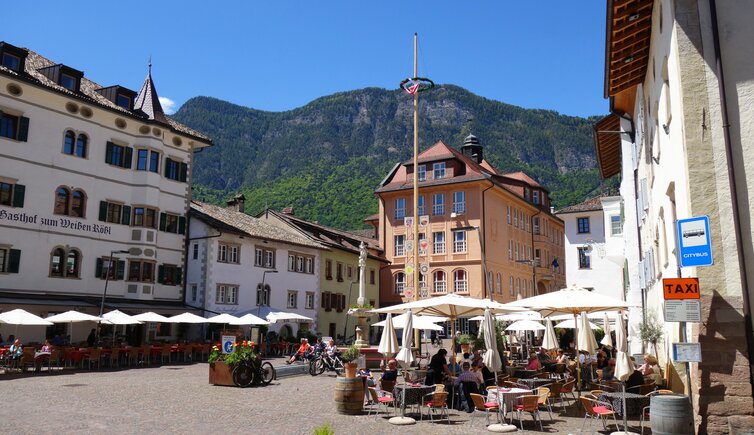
<point>323,362</point>
<point>246,373</point>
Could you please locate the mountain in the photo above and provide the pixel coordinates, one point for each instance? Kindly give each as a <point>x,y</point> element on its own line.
<point>326,158</point>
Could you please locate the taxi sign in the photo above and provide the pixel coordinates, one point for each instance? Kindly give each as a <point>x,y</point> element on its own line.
<point>680,288</point>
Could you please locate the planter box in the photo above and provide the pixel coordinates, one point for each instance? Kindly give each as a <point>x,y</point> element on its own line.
<point>221,374</point>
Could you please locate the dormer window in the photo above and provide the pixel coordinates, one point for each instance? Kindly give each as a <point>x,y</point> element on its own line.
<point>64,76</point>
<point>11,61</point>
<point>438,170</point>
<point>535,197</point>
<point>12,57</point>
<point>68,81</point>
<point>123,101</point>
<point>118,95</point>
<point>422,173</point>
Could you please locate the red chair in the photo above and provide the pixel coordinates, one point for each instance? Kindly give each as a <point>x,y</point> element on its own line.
<point>486,407</point>
<point>436,401</point>
<point>597,410</point>
<point>379,400</point>
<point>530,404</point>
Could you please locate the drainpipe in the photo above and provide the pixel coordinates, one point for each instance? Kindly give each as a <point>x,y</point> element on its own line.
<point>482,234</point>
<point>732,186</point>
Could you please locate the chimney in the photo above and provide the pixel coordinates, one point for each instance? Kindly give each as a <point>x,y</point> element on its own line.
<point>237,203</point>
<point>289,211</point>
<point>472,149</point>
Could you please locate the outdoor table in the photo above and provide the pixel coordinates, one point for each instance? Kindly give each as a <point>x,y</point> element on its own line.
<point>506,397</point>
<point>535,382</point>
<point>75,355</point>
<point>524,374</point>
<point>635,403</point>
<point>414,394</point>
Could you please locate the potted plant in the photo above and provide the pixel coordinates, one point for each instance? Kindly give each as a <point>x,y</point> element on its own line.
<point>651,331</point>
<point>349,356</point>
<point>221,364</point>
<point>465,341</point>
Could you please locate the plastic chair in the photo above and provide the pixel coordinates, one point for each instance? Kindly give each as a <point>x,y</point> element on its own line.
<point>380,400</point>
<point>93,357</point>
<point>544,394</point>
<point>481,405</point>
<point>530,404</point>
<point>567,388</point>
<point>188,352</point>
<point>436,401</point>
<point>597,410</point>
<point>115,357</point>
<point>555,390</point>
<point>165,353</point>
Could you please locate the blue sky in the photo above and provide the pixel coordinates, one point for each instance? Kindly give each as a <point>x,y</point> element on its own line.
<point>279,55</point>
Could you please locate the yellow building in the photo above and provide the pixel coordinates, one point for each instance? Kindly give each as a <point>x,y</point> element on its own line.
<point>339,272</point>
<point>474,214</point>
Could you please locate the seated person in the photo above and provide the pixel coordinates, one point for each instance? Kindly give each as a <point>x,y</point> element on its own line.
<point>391,374</point>
<point>16,349</point>
<point>487,375</point>
<point>467,376</point>
<point>634,382</point>
<point>331,349</point>
<point>46,348</point>
<point>543,356</point>
<point>562,358</point>
<point>608,373</point>
<point>602,360</point>
<point>651,370</point>
<point>534,364</point>
<point>301,351</point>
<point>57,340</point>
<point>438,367</point>
<point>476,357</point>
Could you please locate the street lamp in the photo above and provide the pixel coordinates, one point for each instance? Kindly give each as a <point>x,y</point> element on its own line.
<point>484,258</point>
<point>259,303</point>
<point>107,277</point>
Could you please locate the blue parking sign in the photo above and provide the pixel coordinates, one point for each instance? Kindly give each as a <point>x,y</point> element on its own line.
<point>228,343</point>
<point>694,242</point>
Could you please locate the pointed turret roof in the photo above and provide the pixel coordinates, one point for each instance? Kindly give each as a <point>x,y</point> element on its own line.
<point>148,102</point>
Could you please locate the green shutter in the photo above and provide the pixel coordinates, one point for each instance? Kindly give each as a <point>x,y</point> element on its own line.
<point>125,215</point>
<point>18,195</point>
<point>160,273</point>
<point>109,153</point>
<point>120,272</point>
<point>184,172</point>
<point>178,275</point>
<point>23,129</point>
<point>128,156</point>
<point>163,221</point>
<point>181,225</point>
<point>98,268</point>
<point>14,260</point>
<point>103,211</point>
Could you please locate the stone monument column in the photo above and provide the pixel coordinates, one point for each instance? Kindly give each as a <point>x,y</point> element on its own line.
<point>360,312</point>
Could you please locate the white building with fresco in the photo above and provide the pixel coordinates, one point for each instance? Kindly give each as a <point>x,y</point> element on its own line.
<point>85,171</point>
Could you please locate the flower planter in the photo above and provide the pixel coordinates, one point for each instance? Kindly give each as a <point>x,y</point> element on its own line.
<point>351,369</point>
<point>465,348</point>
<point>221,374</point>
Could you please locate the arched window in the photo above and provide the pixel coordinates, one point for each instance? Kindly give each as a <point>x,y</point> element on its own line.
<point>510,282</point>
<point>81,142</point>
<point>499,284</point>
<point>526,290</point>
<point>460,281</point>
<point>400,283</point>
<point>518,286</point>
<point>68,140</point>
<point>56,265</point>
<point>78,204</point>
<point>439,282</point>
<point>72,263</point>
<point>62,200</point>
<point>422,281</point>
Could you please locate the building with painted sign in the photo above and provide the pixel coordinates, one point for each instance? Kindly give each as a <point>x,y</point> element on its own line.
<point>88,174</point>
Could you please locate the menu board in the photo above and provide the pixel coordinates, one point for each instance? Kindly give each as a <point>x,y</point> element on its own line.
<point>687,352</point>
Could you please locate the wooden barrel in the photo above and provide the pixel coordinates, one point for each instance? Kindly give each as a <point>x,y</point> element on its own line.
<point>671,414</point>
<point>349,395</point>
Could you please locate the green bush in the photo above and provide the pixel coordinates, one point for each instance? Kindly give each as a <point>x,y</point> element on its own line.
<point>350,354</point>
<point>325,429</point>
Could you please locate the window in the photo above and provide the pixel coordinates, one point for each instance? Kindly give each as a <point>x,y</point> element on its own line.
<point>459,241</point>
<point>123,101</point>
<point>65,263</point>
<point>140,271</point>
<point>349,272</point>
<point>422,209</point>
<point>220,294</point>
<point>14,127</point>
<point>459,202</point>
<point>584,260</point>
<point>510,249</point>
<point>422,242</point>
<point>460,281</point>
<point>438,170</point>
<point>194,292</point>
<point>616,229</point>
<point>517,256</point>
<point>12,62</point>
<point>400,283</point>
<point>9,260</point>
<point>518,286</point>
<point>309,300</point>
<point>328,269</point>
<point>69,203</point>
<point>438,243</point>
<point>515,217</point>
<point>226,294</point>
<point>269,259</point>
<point>371,276</point>
<point>74,145</point>
<point>339,272</point>
<point>422,281</point>
<point>509,215</point>
<point>291,262</point>
<point>172,223</point>
<point>400,208</point>
<point>510,284</point>
<point>538,258</point>
<point>422,173</point>
<point>536,225</point>
<point>438,204</point>
<point>399,245</point>
<point>292,298</point>
<point>310,265</point>
<point>175,170</point>
<point>583,223</point>
<point>535,197</point>
<point>114,213</point>
<point>299,264</point>
<point>263,295</point>
<point>499,284</point>
<point>327,301</point>
<point>147,160</point>
<point>439,282</point>
<point>69,82</point>
<point>227,253</point>
<point>12,194</point>
<point>169,274</point>
<point>118,155</point>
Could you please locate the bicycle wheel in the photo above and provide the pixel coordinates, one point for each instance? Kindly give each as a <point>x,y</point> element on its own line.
<point>268,373</point>
<point>243,375</point>
<point>313,367</point>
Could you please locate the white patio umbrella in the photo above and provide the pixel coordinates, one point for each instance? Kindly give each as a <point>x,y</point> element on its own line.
<point>187,318</point>
<point>222,318</point>
<point>71,317</point>
<point>405,357</point>
<point>116,317</point>
<point>550,341</point>
<point>525,325</point>
<point>492,356</point>
<point>586,340</point>
<point>573,324</point>
<point>624,367</point>
<point>388,340</point>
<point>607,340</point>
<point>151,317</point>
<point>249,319</point>
<point>22,317</point>
<point>419,322</point>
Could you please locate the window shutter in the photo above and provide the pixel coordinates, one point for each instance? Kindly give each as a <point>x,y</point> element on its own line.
<point>23,129</point>
<point>160,273</point>
<point>121,271</point>
<point>181,225</point>
<point>128,156</point>
<point>109,153</point>
<point>163,221</point>
<point>103,211</point>
<point>178,275</point>
<point>98,268</point>
<point>184,172</point>
<point>125,215</point>
<point>18,195</point>
<point>14,260</point>
<point>167,164</point>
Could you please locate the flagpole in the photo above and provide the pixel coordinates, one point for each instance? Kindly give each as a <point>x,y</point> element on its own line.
<point>417,338</point>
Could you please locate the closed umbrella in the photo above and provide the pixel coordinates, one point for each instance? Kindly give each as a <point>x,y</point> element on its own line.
<point>607,340</point>
<point>492,356</point>
<point>388,341</point>
<point>550,341</point>
<point>586,340</point>
<point>405,357</point>
<point>624,367</point>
